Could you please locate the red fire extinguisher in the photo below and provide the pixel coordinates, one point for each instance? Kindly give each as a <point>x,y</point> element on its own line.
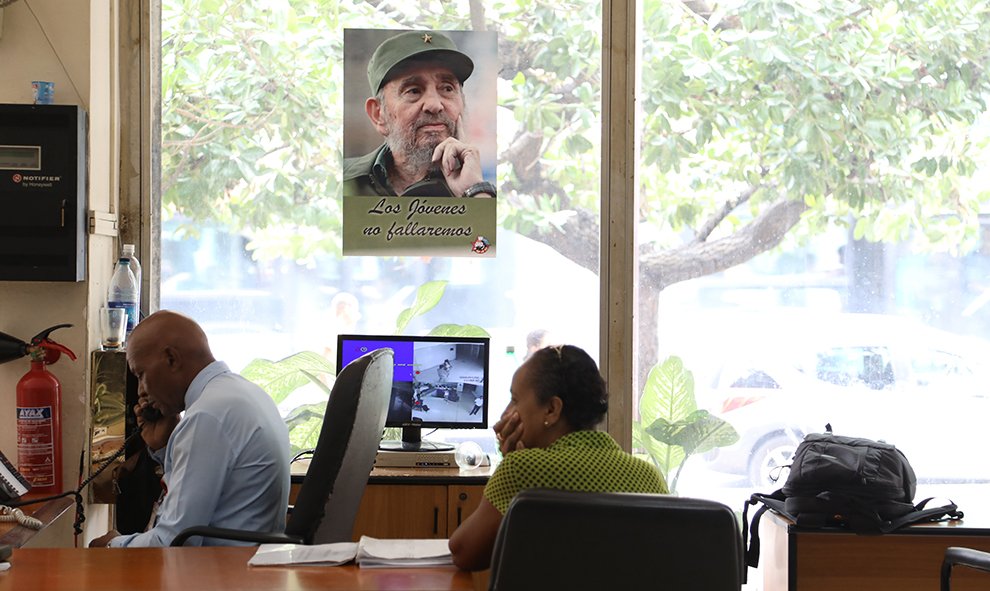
<point>39,413</point>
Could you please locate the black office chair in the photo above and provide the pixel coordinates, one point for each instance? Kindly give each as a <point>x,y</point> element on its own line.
<point>955,556</point>
<point>553,539</point>
<point>328,499</point>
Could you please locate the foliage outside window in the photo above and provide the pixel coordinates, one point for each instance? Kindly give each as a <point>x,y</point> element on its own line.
<point>800,162</point>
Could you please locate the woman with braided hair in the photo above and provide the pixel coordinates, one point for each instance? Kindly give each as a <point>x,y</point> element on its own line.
<point>546,435</point>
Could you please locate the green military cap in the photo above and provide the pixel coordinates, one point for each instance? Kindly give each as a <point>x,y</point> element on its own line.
<point>419,45</point>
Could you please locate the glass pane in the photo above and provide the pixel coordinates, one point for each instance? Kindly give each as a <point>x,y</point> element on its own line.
<point>811,181</point>
<point>252,151</point>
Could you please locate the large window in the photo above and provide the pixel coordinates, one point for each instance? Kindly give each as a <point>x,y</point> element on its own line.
<point>812,245</point>
<point>251,124</point>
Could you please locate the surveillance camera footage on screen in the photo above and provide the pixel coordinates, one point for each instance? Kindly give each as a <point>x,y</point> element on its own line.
<point>438,382</point>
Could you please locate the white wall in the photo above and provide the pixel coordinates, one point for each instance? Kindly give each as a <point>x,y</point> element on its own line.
<point>70,43</point>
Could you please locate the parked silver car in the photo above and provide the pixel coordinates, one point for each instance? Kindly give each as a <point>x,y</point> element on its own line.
<point>881,377</point>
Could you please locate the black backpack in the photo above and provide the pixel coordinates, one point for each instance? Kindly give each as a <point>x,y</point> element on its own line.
<point>852,483</point>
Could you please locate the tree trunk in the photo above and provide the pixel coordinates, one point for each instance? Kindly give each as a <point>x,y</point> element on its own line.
<point>647,342</point>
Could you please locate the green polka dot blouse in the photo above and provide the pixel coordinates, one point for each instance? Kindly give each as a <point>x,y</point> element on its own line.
<point>588,461</point>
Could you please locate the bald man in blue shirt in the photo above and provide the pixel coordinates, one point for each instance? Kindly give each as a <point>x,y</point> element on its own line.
<point>226,460</point>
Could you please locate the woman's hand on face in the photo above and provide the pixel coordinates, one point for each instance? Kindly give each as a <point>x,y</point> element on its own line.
<point>509,433</point>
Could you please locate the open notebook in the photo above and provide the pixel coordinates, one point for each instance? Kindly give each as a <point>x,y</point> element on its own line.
<point>368,552</point>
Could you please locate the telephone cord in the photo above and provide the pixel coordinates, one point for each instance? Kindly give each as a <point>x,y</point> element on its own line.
<point>80,510</point>
<point>13,514</point>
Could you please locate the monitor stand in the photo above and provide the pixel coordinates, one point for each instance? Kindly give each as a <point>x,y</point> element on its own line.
<point>413,441</point>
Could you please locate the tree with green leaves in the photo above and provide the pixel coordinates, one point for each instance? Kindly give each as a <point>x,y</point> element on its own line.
<point>762,121</point>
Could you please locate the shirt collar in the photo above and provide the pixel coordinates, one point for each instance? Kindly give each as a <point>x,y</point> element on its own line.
<point>596,439</point>
<point>379,172</point>
<point>195,389</point>
<point>379,168</point>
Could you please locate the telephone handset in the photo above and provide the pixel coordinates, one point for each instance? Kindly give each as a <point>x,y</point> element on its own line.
<point>151,414</point>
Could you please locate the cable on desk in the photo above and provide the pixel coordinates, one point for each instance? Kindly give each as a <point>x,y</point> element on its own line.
<point>301,455</point>
<point>15,515</point>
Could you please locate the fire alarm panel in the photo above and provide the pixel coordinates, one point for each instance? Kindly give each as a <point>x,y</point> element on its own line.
<point>42,193</point>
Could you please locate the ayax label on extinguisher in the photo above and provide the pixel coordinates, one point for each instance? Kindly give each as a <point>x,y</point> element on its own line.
<point>36,445</point>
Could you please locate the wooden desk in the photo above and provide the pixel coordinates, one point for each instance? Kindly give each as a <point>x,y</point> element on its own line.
<point>13,534</point>
<point>825,560</point>
<point>188,569</point>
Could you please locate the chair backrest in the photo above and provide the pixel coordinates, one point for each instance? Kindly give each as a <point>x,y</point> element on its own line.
<point>554,539</point>
<point>958,556</point>
<point>328,499</point>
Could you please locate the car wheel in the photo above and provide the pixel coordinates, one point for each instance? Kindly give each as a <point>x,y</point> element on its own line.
<point>770,461</point>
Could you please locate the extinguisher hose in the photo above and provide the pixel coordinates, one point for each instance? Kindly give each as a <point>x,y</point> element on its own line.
<point>80,510</point>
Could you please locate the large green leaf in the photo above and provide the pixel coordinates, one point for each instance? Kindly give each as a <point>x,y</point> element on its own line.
<point>671,428</point>
<point>427,297</point>
<point>701,431</point>
<point>669,395</point>
<point>305,423</point>
<point>281,378</point>
<point>458,330</point>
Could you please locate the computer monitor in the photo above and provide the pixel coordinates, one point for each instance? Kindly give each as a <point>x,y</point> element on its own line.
<point>438,383</point>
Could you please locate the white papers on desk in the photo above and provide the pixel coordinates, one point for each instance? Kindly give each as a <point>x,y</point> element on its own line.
<point>374,552</point>
<point>315,555</point>
<point>368,552</point>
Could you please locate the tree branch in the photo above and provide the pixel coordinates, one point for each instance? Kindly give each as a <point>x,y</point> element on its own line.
<point>477,10</point>
<point>698,259</point>
<point>728,207</point>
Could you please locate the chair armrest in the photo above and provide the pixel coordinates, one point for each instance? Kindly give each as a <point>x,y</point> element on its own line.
<point>955,555</point>
<point>234,534</point>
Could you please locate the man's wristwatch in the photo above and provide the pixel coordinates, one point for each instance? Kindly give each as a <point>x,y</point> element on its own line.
<point>478,188</point>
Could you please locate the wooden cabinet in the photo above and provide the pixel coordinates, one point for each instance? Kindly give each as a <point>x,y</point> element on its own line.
<point>415,502</point>
<point>796,559</point>
<point>415,510</point>
<point>462,500</point>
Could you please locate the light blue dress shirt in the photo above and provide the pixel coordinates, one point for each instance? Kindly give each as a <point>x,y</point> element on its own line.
<point>226,463</point>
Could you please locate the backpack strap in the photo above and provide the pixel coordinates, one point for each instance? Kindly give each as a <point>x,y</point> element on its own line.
<point>751,530</point>
<point>922,513</point>
<point>861,516</point>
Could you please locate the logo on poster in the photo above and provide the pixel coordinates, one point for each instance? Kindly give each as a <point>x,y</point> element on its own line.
<point>480,245</point>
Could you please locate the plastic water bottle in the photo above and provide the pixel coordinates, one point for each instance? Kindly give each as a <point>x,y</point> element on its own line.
<point>123,292</point>
<point>128,252</point>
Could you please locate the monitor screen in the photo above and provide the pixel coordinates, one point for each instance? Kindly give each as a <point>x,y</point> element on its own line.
<point>437,382</point>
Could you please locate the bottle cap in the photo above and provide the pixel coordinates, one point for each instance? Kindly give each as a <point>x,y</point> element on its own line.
<point>128,249</point>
